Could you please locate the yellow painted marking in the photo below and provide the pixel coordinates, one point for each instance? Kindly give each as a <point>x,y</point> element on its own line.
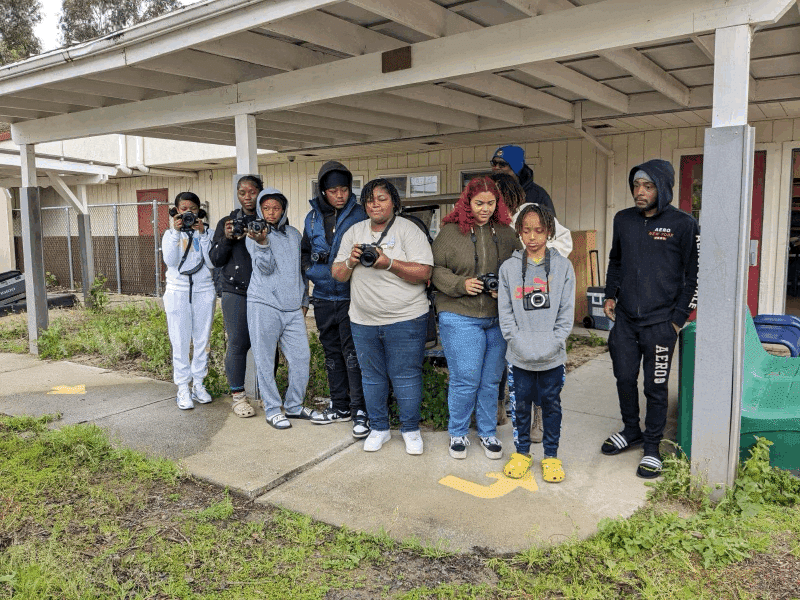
<point>499,488</point>
<point>66,389</point>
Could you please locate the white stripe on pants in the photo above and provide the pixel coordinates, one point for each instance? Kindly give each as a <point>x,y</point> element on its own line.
<point>187,324</point>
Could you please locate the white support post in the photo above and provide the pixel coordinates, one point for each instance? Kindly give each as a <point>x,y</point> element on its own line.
<point>86,245</point>
<point>7,254</point>
<point>722,292</point>
<point>32,248</point>
<point>246,149</point>
<point>247,163</point>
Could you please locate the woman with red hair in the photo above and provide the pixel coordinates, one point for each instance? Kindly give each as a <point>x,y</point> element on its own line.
<point>474,241</point>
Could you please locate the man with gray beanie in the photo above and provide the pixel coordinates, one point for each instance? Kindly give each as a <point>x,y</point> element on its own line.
<point>651,289</point>
<point>511,160</point>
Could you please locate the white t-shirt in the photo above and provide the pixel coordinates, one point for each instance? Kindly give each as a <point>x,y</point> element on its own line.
<point>378,297</point>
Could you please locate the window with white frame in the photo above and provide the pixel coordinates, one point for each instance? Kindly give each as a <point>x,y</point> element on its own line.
<point>467,175</point>
<point>414,185</point>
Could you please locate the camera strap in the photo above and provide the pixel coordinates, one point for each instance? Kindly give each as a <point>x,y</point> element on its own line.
<point>195,269</point>
<point>385,231</point>
<point>474,239</point>
<point>546,269</point>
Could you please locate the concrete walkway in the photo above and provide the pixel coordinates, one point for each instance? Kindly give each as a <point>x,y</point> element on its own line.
<point>323,472</point>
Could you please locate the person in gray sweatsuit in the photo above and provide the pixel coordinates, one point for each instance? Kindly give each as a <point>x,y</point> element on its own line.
<point>277,301</point>
<point>536,306</point>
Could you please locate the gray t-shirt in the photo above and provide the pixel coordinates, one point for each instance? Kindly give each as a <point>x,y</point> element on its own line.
<point>378,297</point>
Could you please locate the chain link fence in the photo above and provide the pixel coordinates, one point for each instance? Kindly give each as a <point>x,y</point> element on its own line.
<point>126,239</point>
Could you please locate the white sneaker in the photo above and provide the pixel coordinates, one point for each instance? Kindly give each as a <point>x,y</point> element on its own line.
<point>200,394</point>
<point>413,441</point>
<point>184,398</point>
<point>376,439</point>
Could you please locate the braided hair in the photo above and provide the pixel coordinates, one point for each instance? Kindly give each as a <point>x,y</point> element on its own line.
<point>510,189</point>
<point>369,189</point>
<point>546,218</point>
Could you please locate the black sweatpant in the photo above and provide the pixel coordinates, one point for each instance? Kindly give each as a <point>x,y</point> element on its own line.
<point>651,345</point>
<point>234,316</point>
<point>341,362</point>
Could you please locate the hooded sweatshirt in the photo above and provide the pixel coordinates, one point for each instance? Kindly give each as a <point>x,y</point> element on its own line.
<point>231,256</point>
<point>277,280</point>
<point>322,235</point>
<point>537,339</point>
<point>533,191</point>
<point>652,265</point>
<point>173,248</point>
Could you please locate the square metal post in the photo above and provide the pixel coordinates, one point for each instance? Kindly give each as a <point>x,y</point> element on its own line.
<point>87,255</point>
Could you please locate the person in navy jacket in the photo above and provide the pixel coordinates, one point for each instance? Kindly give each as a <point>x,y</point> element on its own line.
<point>651,289</point>
<point>332,213</point>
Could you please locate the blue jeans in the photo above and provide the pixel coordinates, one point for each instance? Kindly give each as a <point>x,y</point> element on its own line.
<point>475,352</point>
<point>392,352</point>
<point>534,387</point>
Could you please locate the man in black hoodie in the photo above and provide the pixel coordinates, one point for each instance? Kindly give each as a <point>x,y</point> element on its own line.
<point>651,289</point>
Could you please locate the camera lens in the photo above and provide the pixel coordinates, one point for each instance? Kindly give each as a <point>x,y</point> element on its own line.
<point>538,299</point>
<point>368,256</point>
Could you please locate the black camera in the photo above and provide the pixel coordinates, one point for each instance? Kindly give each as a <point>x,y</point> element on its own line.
<point>239,227</point>
<point>369,254</point>
<point>320,257</point>
<point>259,225</point>
<point>188,218</point>
<point>490,281</point>
<point>535,301</point>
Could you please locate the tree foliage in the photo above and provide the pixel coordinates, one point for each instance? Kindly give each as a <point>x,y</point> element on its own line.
<point>83,20</point>
<point>17,20</point>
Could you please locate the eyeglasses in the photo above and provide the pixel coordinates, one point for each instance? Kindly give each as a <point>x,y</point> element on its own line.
<point>499,164</point>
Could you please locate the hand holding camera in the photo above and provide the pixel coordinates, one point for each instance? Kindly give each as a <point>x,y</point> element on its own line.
<point>186,222</point>
<point>257,230</point>
<point>235,229</point>
<point>368,255</point>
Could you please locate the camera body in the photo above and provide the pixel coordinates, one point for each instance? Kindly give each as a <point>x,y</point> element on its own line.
<point>369,254</point>
<point>536,300</point>
<point>259,225</point>
<point>320,257</point>
<point>490,281</point>
<point>239,227</point>
<point>188,219</point>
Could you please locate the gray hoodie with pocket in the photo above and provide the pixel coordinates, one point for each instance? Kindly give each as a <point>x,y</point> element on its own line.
<point>537,339</point>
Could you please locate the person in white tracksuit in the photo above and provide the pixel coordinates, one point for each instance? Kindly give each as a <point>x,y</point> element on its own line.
<point>189,298</point>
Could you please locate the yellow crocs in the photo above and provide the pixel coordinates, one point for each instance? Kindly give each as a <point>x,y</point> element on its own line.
<point>552,471</point>
<point>517,466</point>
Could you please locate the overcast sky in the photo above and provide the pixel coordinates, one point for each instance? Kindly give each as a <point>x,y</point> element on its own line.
<point>47,31</point>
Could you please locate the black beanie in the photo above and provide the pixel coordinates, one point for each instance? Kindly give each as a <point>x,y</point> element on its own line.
<point>334,179</point>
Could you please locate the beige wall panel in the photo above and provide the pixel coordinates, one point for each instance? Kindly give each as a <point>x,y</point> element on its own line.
<point>588,193</point>
<point>573,184</point>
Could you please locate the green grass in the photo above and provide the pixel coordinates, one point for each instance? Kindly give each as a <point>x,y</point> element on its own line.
<point>80,518</point>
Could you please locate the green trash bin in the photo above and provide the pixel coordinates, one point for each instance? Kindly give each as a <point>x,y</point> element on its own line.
<point>770,398</point>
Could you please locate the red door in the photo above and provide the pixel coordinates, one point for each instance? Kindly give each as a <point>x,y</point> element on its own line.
<point>690,197</point>
<point>145,212</point>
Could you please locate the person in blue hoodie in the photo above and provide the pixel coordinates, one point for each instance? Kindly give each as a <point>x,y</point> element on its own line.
<point>651,289</point>
<point>333,212</point>
<point>277,302</point>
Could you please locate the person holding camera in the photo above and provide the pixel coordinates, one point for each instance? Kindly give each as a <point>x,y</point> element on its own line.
<point>277,301</point>
<point>536,304</point>
<point>387,260</point>
<point>189,298</point>
<point>332,213</point>
<point>474,241</point>
<point>229,254</point>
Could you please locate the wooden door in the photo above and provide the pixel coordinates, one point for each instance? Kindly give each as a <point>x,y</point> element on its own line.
<point>690,198</point>
<point>145,212</point>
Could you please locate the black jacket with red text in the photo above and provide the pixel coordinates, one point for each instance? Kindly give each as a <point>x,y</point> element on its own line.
<point>652,265</point>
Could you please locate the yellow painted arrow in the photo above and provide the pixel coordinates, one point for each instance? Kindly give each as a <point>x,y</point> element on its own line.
<point>499,488</point>
<point>66,389</point>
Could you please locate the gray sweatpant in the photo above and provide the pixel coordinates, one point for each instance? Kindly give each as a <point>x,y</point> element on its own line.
<point>269,326</point>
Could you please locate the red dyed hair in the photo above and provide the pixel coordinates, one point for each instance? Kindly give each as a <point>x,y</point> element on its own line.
<point>462,213</point>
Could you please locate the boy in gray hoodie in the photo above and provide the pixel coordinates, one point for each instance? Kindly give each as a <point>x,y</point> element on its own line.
<point>536,305</point>
<point>277,301</point>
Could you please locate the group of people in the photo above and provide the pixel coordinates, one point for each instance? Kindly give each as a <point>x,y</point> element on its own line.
<point>505,295</point>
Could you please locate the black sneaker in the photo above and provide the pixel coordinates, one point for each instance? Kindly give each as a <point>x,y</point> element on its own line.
<point>492,447</point>
<point>360,425</point>
<point>458,446</point>
<point>331,415</point>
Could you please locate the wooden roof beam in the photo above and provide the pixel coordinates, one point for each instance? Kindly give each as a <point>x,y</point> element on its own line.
<point>424,16</point>
<point>577,83</point>
<point>517,93</point>
<point>649,73</point>
<point>460,101</point>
